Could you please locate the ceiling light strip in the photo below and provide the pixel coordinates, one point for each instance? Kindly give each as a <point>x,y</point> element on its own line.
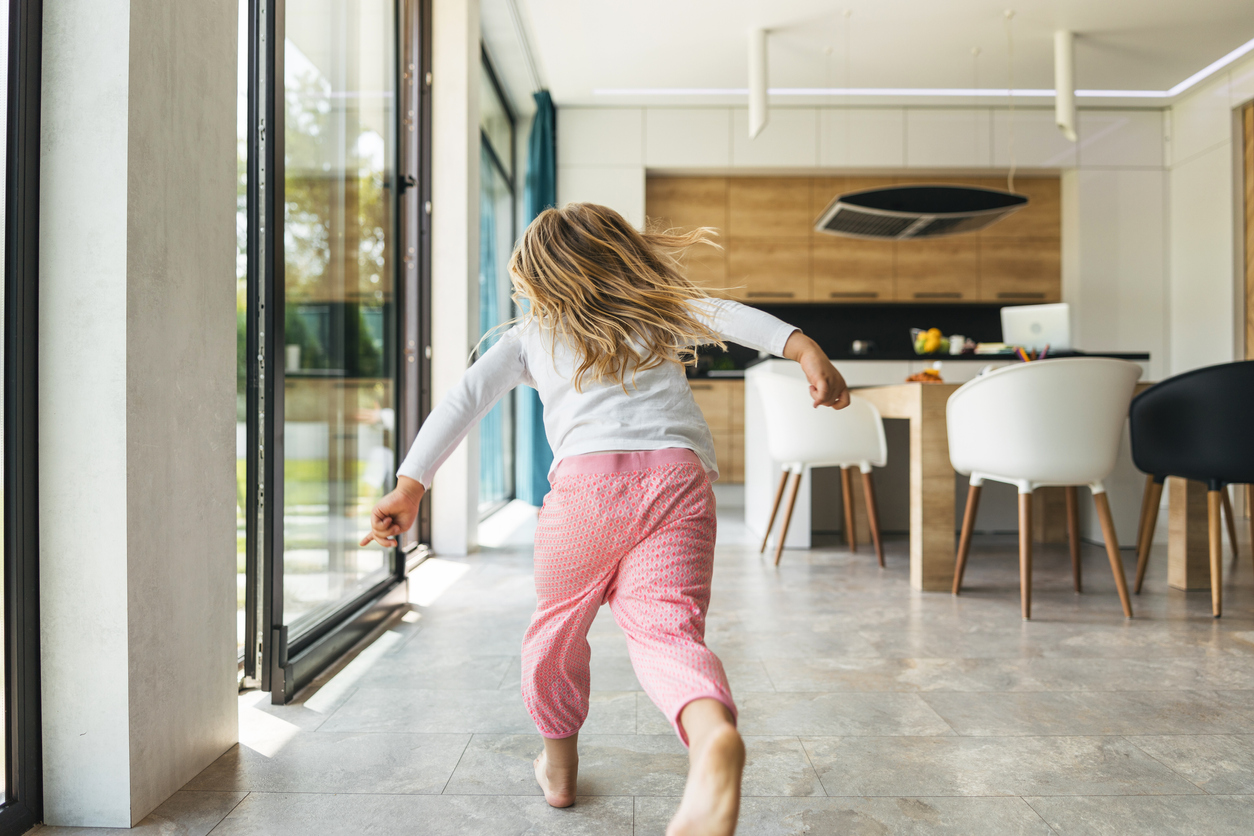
<point>937,92</point>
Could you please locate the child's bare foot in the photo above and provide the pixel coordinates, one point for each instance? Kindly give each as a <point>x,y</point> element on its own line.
<point>558,783</point>
<point>711,801</point>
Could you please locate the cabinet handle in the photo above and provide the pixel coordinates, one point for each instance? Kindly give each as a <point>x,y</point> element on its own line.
<point>764,294</point>
<point>1020,295</point>
<point>865,295</point>
<point>701,386</point>
<point>938,296</point>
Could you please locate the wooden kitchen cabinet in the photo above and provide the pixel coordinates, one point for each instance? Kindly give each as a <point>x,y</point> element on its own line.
<point>768,207</point>
<point>849,269</point>
<point>938,269</point>
<point>769,269</point>
<point>1020,270</point>
<point>1040,219</point>
<point>853,270</point>
<point>772,254</point>
<point>722,402</point>
<point>686,203</point>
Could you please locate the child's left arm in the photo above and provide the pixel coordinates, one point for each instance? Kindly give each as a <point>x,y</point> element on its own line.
<point>757,329</point>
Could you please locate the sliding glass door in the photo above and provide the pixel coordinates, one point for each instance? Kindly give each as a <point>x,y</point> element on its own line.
<point>331,316</point>
<point>497,210</point>
<point>340,321</point>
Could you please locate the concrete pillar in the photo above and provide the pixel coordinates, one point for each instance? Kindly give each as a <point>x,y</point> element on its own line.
<point>137,402</point>
<point>455,255</point>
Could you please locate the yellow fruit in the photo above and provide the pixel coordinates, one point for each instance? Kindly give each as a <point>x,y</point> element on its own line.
<point>933,332</point>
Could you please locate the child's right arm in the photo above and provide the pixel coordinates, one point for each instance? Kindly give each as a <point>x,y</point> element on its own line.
<point>499,370</point>
<point>757,329</point>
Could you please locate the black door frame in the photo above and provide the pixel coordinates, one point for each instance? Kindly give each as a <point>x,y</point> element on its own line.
<point>279,665</point>
<point>23,800</point>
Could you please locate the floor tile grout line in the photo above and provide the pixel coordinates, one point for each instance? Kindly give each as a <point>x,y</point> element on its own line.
<point>218,824</point>
<point>1044,821</point>
<point>1166,766</point>
<point>453,772</point>
<point>813,769</point>
<point>335,710</point>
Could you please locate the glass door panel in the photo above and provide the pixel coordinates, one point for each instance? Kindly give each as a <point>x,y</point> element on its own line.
<point>496,241</point>
<point>340,319</point>
<point>241,329</point>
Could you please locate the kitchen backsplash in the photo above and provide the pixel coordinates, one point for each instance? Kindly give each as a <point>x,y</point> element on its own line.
<point>886,327</point>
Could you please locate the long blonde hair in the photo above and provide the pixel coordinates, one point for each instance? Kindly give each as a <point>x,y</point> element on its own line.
<point>617,297</point>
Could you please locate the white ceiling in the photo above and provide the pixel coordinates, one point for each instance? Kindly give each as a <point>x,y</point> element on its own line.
<point>586,47</point>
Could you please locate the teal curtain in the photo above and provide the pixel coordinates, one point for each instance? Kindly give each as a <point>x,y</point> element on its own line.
<point>533,454</point>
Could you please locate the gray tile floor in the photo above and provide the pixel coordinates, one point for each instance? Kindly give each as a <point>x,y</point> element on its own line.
<point>868,708</point>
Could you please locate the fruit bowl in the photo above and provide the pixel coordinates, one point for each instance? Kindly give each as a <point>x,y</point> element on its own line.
<point>929,341</point>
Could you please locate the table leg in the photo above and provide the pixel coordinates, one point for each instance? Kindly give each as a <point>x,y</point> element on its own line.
<point>1188,550</point>
<point>931,495</point>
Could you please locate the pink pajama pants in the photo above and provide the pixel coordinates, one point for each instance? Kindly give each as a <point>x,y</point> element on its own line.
<point>636,531</point>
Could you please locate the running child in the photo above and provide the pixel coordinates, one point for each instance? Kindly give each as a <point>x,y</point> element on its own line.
<point>610,322</point>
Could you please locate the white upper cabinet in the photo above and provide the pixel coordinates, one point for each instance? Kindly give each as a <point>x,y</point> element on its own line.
<point>938,138</point>
<point>619,187</point>
<point>856,138</point>
<point>789,140</point>
<point>1038,143</point>
<point>1120,139</point>
<point>687,137</point>
<point>600,136</point>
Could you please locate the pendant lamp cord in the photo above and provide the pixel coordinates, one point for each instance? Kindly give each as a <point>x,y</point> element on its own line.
<point>1010,89</point>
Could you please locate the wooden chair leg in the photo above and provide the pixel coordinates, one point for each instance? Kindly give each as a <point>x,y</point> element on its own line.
<point>1148,523</point>
<point>779,494</point>
<point>1232,522</point>
<point>1145,501</point>
<point>1073,531</point>
<point>792,500</point>
<point>1213,506</point>
<point>964,540</point>
<point>1025,554</point>
<point>1112,550</point>
<point>846,491</point>
<point>873,515</point>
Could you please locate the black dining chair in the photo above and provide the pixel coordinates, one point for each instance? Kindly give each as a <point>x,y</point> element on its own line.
<point>1198,425</point>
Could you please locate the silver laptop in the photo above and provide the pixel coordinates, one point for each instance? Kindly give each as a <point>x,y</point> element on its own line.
<point>1037,326</point>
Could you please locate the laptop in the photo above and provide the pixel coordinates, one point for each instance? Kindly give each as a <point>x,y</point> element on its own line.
<point>1037,326</point>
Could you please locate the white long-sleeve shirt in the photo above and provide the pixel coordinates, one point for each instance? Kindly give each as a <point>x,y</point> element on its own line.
<point>656,411</point>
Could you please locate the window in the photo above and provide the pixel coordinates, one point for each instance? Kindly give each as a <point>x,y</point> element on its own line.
<point>496,242</point>
<point>331,303</point>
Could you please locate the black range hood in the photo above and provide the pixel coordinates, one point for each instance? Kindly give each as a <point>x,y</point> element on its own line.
<point>902,212</point>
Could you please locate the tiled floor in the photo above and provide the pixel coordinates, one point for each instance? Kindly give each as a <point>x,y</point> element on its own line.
<point>867,708</point>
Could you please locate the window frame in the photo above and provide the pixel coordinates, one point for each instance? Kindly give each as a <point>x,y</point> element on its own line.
<point>506,175</point>
<point>23,800</point>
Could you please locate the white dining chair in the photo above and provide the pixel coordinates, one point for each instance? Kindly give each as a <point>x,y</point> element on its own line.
<point>1046,423</point>
<point>801,437</point>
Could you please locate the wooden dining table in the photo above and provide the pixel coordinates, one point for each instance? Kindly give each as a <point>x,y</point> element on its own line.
<point>932,540</point>
<point>932,545</point>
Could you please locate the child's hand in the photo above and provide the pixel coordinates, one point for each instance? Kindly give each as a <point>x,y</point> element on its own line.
<point>827,386</point>
<point>395,513</point>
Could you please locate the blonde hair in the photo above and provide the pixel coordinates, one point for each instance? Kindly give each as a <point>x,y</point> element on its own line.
<point>616,296</point>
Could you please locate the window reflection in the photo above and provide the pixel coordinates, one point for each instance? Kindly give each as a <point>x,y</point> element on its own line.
<point>338,248</point>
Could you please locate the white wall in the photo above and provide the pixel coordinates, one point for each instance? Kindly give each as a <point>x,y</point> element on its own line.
<point>1114,181</point>
<point>137,402</point>
<point>455,256</point>
<point>1206,290</point>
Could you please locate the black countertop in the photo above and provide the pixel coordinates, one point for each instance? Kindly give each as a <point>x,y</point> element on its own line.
<point>738,374</point>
